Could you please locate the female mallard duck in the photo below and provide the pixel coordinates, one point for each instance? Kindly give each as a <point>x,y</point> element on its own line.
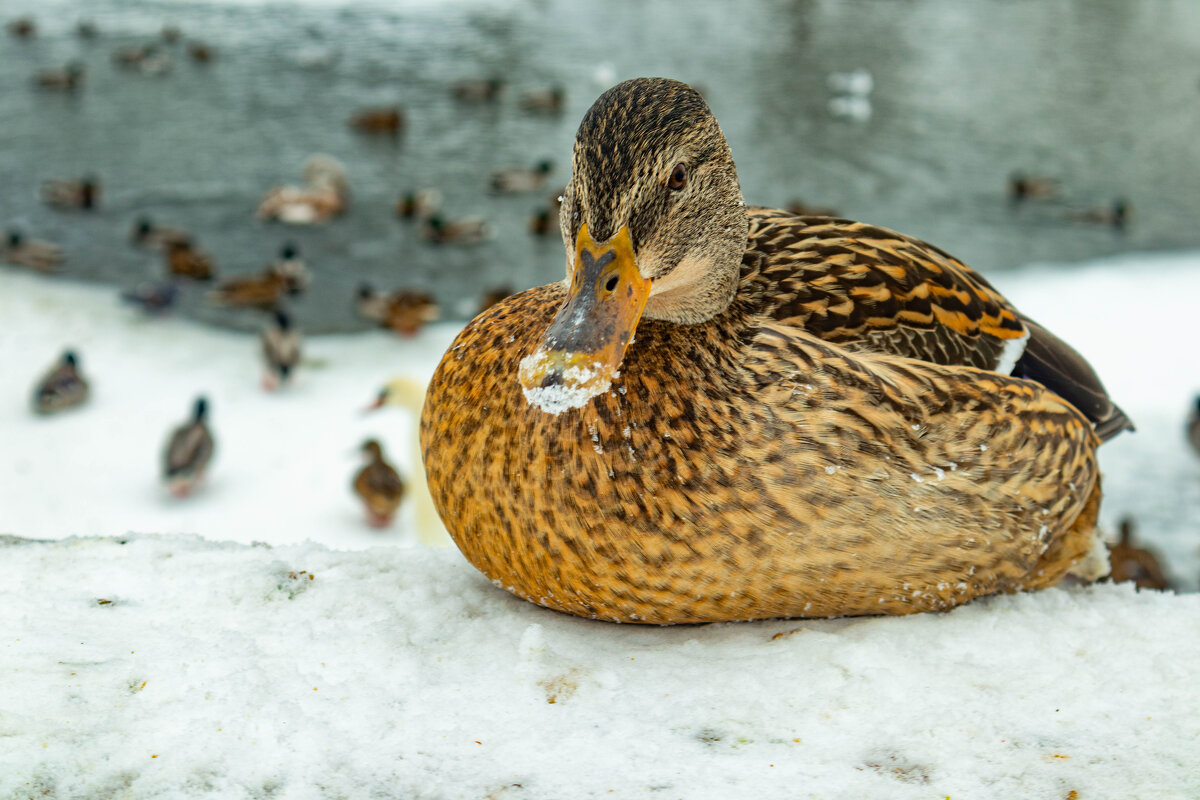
<point>64,79</point>
<point>189,449</point>
<point>379,486</point>
<point>281,351</point>
<point>61,388</point>
<point>389,119</point>
<point>286,275</point>
<point>325,195</point>
<point>185,261</point>
<point>813,419</point>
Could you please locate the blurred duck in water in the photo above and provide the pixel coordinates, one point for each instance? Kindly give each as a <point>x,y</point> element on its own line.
<point>281,351</point>
<point>189,449</point>
<point>467,230</point>
<point>82,194</point>
<point>1028,187</point>
<point>421,204</point>
<point>147,59</point>
<point>1135,564</point>
<point>201,52</point>
<point>542,222</point>
<point>185,261</point>
<point>21,251</point>
<point>171,34</point>
<point>287,275</point>
<point>1115,216</point>
<point>521,179</point>
<point>545,101</point>
<point>325,195</point>
<point>379,486</point>
<point>64,79</point>
<point>404,311</point>
<point>1193,426</point>
<point>147,234</point>
<point>389,119</point>
<point>22,28</point>
<point>477,90</point>
<point>86,29</point>
<point>61,388</point>
<point>153,298</point>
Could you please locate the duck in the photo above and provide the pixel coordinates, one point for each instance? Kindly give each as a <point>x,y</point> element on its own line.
<point>287,275</point>
<point>477,90</point>
<point>404,311</point>
<point>65,79</point>
<point>281,351</point>
<point>188,452</point>
<point>1022,186</point>
<point>727,412</point>
<point>379,486</point>
<point>82,194</point>
<point>409,395</point>
<point>326,195</point>
<point>1116,215</point>
<point>86,29</point>
<point>389,119</point>
<point>146,233</point>
<point>544,101</point>
<point>21,251</point>
<point>291,267</point>
<point>542,222</point>
<point>201,52</point>
<point>62,387</point>
<point>186,261</point>
<point>521,179</point>
<point>153,298</point>
<point>171,34</point>
<point>465,230</point>
<point>1136,564</point>
<point>22,27</point>
<point>419,204</point>
<point>1193,426</point>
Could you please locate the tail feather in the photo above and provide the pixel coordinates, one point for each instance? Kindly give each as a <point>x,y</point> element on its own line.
<point>1053,363</point>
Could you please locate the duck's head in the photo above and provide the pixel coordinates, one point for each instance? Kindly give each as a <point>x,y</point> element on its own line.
<point>283,319</point>
<point>289,251</point>
<point>14,238</point>
<point>200,409</point>
<point>654,225</point>
<point>403,392</point>
<point>70,359</point>
<point>371,450</point>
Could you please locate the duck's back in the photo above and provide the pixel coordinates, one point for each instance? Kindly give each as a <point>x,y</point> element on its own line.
<point>871,289</point>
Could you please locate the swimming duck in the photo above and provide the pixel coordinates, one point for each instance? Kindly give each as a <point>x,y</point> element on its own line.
<point>281,351</point>
<point>185,261</point>
<point>86,29</point>
<point>290,266</point>
<point>82,194</point>
<point>22,27</point>
<point>1135,564</point>
<point>465,230</point>
<point>189,449</point>
<point>153,298</point>
<point>378,120</point>
<point>33,253</point>
<point>1026,187</point>
<point>66,79</point>
<point>404,311</point>
<point>477,90</point>
<point>379,486</point>
<point>201,52</point>
<point>544,101</point>
<point>521,179</point>
<point>262,291</point>
<point>542,222</point>
<point>421,204</point>
<point>146,233</point>
<point>60,388</point>
<point>730,413</point>
<point>325,195</point>
<point>1115,216</point>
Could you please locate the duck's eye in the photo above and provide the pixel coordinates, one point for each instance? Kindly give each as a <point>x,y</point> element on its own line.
<point>678,177</point>
<point>611,283</point>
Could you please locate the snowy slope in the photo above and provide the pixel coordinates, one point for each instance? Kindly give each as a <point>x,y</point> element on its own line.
<point>224,671</point>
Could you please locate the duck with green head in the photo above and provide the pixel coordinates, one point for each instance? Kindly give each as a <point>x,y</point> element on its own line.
<point>733,413</point>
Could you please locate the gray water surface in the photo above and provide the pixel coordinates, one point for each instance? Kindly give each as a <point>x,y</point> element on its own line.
<point>1101,94</point>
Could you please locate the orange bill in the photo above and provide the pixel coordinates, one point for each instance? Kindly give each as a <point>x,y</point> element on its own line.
<point>582,350</point>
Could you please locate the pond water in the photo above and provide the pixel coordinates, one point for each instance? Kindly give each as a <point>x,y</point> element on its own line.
<point>1101,94</point>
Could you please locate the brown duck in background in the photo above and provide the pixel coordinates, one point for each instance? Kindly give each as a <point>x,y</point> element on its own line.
<point>65,79</point>
<point>521,179</point>
<point>22,28</point>
<point>421,204</point>
<point>189,449</point>
<point>813,419</point>
<point>83,194</point>
<point>544,101</point>
<point>281,351</point>
<point>1135,564</point>
<point>404,311</point>
<point>379,486</point>
<point>61,388</point>
<point>185,261</point>
<point>146,233</point>
<point>285,276</point>
<point>379,120</point>
<point>21,251</point>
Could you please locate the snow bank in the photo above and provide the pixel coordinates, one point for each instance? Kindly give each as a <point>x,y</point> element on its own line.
<point>176,667</point>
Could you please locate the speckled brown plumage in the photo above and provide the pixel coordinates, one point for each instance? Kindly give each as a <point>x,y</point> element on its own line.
<point>799,452</point>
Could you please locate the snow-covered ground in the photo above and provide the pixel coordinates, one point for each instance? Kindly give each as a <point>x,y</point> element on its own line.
<point>139,662</point>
